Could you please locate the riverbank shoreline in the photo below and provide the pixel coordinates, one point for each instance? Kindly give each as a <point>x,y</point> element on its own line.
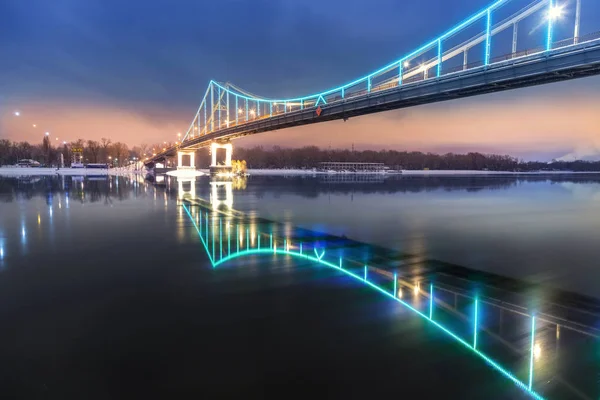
<point>18,171</point>
<point>280,172</point>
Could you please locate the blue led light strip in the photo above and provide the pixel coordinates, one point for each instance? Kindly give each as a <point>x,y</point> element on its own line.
<point>488,37</point>
<point>550,16</point>
<point>431,301</point>
<point>363,279</point>
<point>475,318</point>
<point>473,18</point>
<point>319,259</point>
<point>531,352</point>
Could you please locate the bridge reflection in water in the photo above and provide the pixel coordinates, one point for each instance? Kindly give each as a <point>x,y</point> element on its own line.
<point>545,346</point>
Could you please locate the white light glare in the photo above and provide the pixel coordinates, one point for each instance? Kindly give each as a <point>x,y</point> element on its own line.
<point>17,113</point>
<point>537,351</point>
<point>555,12</point>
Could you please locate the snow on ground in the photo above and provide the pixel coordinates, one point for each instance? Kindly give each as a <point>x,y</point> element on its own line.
<point>185,173</point>
<point>405,172</point>
<point>283,172</point>
<point>18,171</point>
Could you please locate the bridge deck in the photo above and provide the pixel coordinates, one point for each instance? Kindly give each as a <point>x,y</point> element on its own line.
<point>574,61</point>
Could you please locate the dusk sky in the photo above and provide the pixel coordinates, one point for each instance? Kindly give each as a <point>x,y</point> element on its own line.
<point>135,71</point>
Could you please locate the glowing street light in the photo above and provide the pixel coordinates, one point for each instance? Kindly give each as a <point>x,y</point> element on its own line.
<point>555,12</point>
<point>406,64</point>
<point>240,111</point>
<point>253,112</point>
<point>34,125</point>
<point>47,133</point>
<point>17,113</point>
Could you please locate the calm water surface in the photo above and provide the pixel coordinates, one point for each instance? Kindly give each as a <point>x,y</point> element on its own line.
<point>108,292</point>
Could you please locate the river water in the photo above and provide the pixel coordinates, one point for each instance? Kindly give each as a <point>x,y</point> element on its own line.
<point>109,289</point>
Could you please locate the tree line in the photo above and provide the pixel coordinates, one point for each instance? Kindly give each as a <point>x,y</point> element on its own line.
<point>103,151</point>
<point>310,157</point>
<point>119,154</point>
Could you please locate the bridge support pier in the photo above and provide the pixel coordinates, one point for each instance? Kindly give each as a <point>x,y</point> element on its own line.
<point>186,188</point>
<point>180,155</point>
<point>215,168</point>
<point>221,194</point>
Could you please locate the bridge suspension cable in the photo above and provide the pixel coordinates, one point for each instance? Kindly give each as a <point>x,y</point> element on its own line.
<point>225,105</point>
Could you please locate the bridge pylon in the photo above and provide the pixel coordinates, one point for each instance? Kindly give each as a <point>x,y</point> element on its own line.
<point>192,159</point>
<point>216,168</point>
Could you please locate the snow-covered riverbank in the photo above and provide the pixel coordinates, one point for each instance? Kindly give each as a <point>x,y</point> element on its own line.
<point>407,172</point>
<point>17,171</point>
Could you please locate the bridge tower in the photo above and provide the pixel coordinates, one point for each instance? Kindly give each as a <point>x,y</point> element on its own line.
<point>192,159</point>
<point>216,168</point>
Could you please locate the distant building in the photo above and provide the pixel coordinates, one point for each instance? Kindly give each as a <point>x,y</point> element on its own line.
<point>352,167</point>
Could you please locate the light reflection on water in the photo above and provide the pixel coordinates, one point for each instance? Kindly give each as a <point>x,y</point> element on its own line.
<point>523,228</point>
<point>499,329</point>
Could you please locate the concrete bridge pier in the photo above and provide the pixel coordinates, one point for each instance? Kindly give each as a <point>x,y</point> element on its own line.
<point>186,188</point>
<point>192,159</point>
<point>215,168</point>
<point>221,194</point>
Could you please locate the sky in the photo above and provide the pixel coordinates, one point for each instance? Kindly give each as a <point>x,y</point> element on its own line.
<point>135,71</point>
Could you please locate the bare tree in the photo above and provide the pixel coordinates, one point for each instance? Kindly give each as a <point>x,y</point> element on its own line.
<point>105,143</point>
<point>93,150</point>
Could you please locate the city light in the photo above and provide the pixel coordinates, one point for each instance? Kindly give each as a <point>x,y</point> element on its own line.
<point>47,133</point>
<point>406,64</point>
<point>537,351</point>
<point>17,113</point>
<point>34,125</point>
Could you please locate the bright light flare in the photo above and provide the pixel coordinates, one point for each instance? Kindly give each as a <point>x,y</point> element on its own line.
<point>417,288</point>
<point>537,351</point>
<point>17,113</point>
<point>556,12</point>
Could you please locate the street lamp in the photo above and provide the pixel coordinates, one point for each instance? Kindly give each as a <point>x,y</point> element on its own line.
<point>17,113</point>
<point>406,64</point>
<point>47,133</point>
<point>555,12</point>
